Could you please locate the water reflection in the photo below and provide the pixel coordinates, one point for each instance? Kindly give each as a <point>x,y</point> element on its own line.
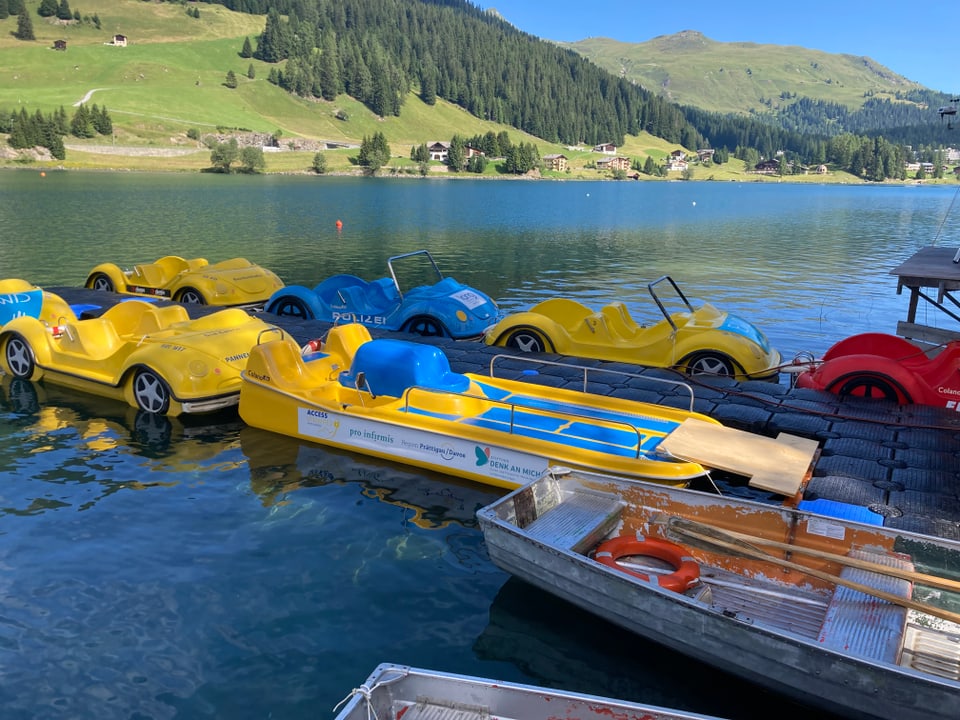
<point>89,448</point>
<point>280,465</point>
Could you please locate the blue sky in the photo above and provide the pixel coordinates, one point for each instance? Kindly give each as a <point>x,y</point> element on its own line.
<point>919,39</point>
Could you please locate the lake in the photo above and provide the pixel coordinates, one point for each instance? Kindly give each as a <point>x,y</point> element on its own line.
<point>154,568</point>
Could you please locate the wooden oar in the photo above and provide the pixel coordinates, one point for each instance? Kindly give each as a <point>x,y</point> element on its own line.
<point>738,547</point>
<point>732,536</point>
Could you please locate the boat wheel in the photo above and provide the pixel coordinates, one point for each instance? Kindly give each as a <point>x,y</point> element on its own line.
<point>19,358</point>
<point>526,341</point>
<point>151,392</point>
<point>872,386</point>
<point>291,307</point>
<point>190,296</point>
<point>100,281</point>
<point>426,326</point>
<point>709,364</point>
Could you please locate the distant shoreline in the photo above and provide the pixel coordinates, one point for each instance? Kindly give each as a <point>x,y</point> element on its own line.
<point>178,160</point>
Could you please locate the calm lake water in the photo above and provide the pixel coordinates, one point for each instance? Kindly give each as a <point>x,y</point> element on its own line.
<point>199,568</point>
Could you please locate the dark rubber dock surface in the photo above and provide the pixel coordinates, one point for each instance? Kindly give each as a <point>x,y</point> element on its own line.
<point>902,462</point>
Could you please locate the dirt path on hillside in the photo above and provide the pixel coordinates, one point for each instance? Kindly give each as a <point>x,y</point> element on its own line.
<point>87,97</point>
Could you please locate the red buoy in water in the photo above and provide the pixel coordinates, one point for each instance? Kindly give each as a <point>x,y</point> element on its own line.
<point>339,225</point>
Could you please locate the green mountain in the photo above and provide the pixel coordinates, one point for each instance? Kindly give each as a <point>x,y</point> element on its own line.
<point>689,68</point>
<point>413,70</point>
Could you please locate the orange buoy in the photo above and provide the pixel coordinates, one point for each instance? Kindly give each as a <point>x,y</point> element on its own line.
<point>42,174</point>
<point>339,224</point>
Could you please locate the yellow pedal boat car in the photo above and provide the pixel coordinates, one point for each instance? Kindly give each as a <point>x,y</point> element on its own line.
<point>399,400</point>
<point>154,358</point>
<point>196,281</point>
<point>697,341</point>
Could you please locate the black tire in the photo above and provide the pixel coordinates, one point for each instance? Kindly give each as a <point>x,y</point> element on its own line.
<point>526,340</point>
<point>873,387</point>
<point>19,358</point>
<point>709,363</point>
<point>190,296</point>
<point>425,326</point>
<point>102,282</point>
<point>151,392</point>
<point>290,306</point>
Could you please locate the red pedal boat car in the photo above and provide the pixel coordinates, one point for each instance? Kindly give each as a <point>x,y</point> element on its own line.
<point>876,365</point>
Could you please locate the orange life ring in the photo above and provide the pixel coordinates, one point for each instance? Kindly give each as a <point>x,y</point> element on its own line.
<point>686,571</point>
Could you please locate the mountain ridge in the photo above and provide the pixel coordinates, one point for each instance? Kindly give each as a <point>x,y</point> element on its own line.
<point>743,78</point>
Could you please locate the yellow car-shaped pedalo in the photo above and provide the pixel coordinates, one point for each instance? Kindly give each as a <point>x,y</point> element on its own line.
<point>696,340</point>
<point>155,358</point>
<point>195,281</point>
<point>399,400</point>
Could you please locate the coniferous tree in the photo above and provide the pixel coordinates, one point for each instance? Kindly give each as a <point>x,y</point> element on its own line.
<point>456,156</point>
<point>19,132</point>
<point>53,140</point>
<point>48,8</point>
<point>24,26</point>
<point>81,125</point>
<point>330,82</point>
<point>374,152</point>
<point>15,6</point>
<point>231,79</point>
<point>251,73</point>
<point>4,10</point>
<point>272,46</point>
<point>420,153</point>
<point>101,120</point>
<point>247,50</point>
<point>503,143</point>
<point>63,124</point>
<point>428,82</point>
<point>63,11</point>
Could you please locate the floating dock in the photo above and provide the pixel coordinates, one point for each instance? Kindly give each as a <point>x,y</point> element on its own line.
<point>933,275</point>
<point>901,462</point>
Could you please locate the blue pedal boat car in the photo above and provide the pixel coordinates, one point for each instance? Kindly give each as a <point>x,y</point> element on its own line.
<point>445,308</point>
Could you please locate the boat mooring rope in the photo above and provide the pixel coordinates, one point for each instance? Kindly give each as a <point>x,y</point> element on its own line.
<point>945,216</point>
<point>367,692</point>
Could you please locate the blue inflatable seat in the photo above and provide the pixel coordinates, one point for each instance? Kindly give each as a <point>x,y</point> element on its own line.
<point>390,367</point>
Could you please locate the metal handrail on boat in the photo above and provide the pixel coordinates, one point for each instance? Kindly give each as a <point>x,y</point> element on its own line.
<point>586,372</point>
<point>659,302</point>
<point>548,412</point>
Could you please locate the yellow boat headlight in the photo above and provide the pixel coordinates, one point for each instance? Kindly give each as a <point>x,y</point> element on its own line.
<point>198,368</point>
<point>461,316</point>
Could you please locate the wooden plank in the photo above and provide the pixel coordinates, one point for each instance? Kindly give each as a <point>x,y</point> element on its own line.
<point>926,334</point>
<point>774,464</point>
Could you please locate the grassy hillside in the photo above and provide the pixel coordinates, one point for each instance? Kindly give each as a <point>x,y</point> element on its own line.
<point>169,80</point>
<point>691,69</point>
